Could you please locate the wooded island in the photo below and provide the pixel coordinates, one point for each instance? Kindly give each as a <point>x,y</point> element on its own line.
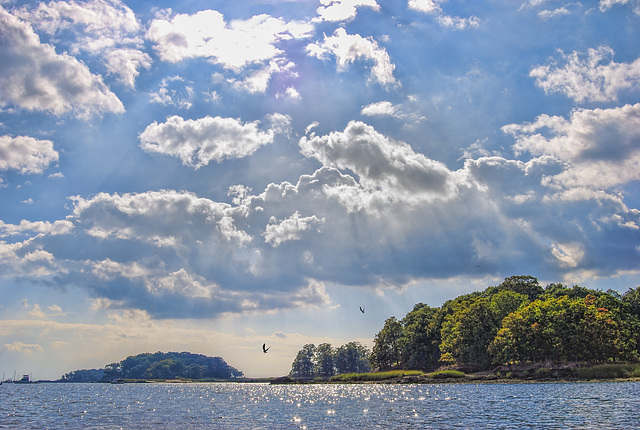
<point>160,366</point>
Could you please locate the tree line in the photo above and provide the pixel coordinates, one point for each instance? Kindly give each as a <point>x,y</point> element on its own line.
<point>325,361</point>
<point>516,322</point>
<point>159,365</point>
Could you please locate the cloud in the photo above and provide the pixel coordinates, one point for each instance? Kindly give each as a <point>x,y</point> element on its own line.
<point>348,48</point>
<point>426,6</point>
<point>433,7</point>
<point>571,231</point>
<point>386,108</point>
<point>26,154</point>
<point>105,19</point>
<point>249,49</point>
<point>24,259</point>
<point>385,167</point>
<point>173,92</point>
<point>108,29</point>
<point>126,63</point>
<point>551,14</point>
<point>34,77</point>
<point>57,227</point>
<point>36,312</point>
<point>597,147</point>
<point>55,309</point>
<point>23,348</point>
<point>375,213</point>
<point>198,142</point>
<point>289,93</point>
<point>380,109</point>
<point>342,10</point>
<point>256,80</point>
<point>605,5</point>
<point>277,232</point>
<point>591,76</point>
<point>234,45</point>
<point>187,256</point>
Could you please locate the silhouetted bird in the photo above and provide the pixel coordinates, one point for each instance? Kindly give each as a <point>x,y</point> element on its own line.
<point>264,348</point>
<point>361,309</point>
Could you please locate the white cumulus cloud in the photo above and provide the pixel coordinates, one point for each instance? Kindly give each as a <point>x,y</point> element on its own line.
<point>433,7</point>
<point>591,76</point>
<point>386,108</point>
<point>34,77</point>
<point>198,142</point>
<point>106,28</point>
<point>26,154</point>
<point>599,147</point>
<point>290,228</point>
<point>232,44</point>
<point>349,48</point>
<point>605,5</point>
<point>342,10</point>
<point>383,165</point>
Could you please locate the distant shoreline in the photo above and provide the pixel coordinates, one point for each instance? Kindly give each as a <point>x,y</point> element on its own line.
<point>394,381</point>
<point>467,380</point>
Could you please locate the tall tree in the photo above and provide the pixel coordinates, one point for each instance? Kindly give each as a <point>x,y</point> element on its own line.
<point>419,344</point>
<point>467,332</point>
<point>352,357</point>
<point>632,298</point>
<point>324,360</point>
<point>522,284</point>
<point>386,347</point>
<point>304,362</point>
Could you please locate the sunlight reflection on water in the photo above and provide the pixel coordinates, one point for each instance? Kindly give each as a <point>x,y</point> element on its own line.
<point>263,406</point>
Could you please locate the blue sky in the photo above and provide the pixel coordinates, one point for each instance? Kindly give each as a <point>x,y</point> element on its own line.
<point>211,175</point>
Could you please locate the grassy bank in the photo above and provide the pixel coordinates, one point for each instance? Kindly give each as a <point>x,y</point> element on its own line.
<point>611,371</point>
<point>375,376</point>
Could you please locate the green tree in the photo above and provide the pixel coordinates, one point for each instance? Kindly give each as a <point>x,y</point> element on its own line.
<point>632,298</point>
<point>352,357</point>
<point>386,346</point>
<point>324,360</point>
<point>559,329</point>
<point>303,364</point>
<point>506,302</point>
<point>522,284</point>
<point>419,344</point>
<point>467,333</point>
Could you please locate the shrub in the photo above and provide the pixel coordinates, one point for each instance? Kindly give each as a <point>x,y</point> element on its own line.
<point>447,374</point>
<point>375,376</point>
<point>543,372</point>
<point>608,371</point>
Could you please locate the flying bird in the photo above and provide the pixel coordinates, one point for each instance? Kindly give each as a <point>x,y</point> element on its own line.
<point>264,348</point>
<point>361,309</point>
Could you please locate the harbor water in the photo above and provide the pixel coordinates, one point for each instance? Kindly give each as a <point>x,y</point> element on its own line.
<point>366,406</point>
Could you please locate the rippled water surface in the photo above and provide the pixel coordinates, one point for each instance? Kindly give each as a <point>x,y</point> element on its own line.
<point>262,406</point>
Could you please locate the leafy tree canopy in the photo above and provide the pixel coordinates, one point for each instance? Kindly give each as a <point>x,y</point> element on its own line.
<point>170,365</point>
<point>516,321</point>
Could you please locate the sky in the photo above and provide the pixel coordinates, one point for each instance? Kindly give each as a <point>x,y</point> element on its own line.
<point>209,176</point>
